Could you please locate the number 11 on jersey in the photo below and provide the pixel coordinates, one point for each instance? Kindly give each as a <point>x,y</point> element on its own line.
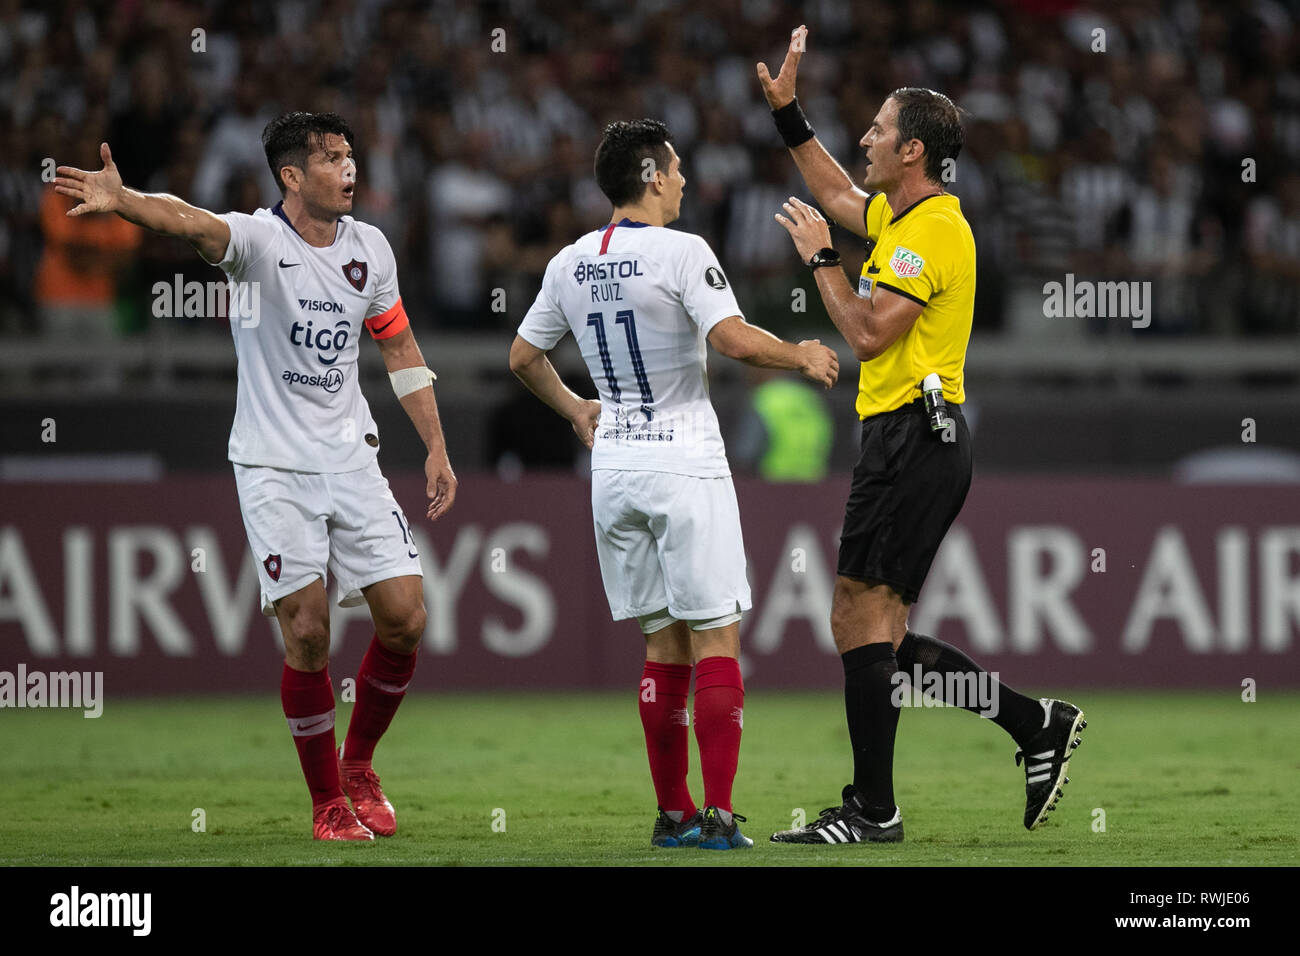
<point>625,318</point>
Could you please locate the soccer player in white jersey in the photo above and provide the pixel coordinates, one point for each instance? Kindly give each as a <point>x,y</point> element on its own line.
<point>642,301</point>
<point>303,445</point>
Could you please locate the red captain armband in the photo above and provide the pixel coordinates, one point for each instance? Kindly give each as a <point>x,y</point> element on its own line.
<point>388,324</point>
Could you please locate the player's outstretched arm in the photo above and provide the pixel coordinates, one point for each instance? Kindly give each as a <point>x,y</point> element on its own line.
<point>737,339</point>
<point>103,192</point>
<point>401,351</point>
<point>831,186</point>
<point>532,367</point>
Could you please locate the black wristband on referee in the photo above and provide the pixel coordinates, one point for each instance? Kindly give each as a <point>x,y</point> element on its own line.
<point>792,124</point>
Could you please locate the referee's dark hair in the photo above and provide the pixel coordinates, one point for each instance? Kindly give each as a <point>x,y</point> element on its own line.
<point>290,138</point>
<point>621,156</point>
<point>933,119</point>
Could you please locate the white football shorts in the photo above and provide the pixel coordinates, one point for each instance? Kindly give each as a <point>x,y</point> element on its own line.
<point>667,540</point>
<point>301,526</point>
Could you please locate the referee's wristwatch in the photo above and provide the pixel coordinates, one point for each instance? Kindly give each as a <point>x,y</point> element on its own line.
<point>823,257</point>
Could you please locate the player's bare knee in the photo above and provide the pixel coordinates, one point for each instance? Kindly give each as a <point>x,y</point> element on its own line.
<point>402,631</point>
<point>667,640</point>
<point>309,628</point>
<point>307,643</point>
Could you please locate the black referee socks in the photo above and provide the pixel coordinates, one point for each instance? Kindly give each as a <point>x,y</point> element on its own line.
<point>1018,715</point>
<point>873,720</point>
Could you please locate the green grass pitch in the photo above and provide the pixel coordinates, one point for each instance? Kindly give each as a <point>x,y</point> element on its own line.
<point>1182,778</point>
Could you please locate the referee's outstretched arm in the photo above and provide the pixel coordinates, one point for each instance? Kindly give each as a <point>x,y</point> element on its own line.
<point>870,324</point>
<point>831,186</point>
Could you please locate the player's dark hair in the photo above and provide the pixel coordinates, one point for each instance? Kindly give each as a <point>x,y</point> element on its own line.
<point>621,156</point>
<point>289,139</point>
<point>933,119</point>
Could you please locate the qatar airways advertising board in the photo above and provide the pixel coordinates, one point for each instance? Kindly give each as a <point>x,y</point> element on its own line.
<point>1052,583</point>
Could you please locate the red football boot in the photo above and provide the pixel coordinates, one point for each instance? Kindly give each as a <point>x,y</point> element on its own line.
<point>335,821</point>
<point>361,784</point>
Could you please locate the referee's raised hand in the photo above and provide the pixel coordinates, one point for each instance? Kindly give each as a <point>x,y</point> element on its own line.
<point>780,91</point>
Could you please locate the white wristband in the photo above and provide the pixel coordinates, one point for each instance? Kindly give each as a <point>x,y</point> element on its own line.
<point>408,380</point>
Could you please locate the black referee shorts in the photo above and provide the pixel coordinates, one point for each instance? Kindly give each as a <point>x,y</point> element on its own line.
<point>908,486</point>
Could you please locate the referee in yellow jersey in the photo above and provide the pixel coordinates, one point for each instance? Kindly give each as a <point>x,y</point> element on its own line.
<point>909,318</point>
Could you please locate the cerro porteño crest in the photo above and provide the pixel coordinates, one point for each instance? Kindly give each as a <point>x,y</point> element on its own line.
<point>355,273</point>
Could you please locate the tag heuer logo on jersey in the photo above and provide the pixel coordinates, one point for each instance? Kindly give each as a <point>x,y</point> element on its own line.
<point>355,273</point>
<point>906,263</point>
<point>272,565</point>
<point>714,277</point>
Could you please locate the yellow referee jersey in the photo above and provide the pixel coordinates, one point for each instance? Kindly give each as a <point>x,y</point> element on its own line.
<point>927,254</point>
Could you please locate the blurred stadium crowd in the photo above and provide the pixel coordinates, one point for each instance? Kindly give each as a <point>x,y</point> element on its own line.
<point>1170,154</point>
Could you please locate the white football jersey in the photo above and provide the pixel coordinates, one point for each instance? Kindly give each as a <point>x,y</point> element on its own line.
<point>641,300</point>
<point>296,315</point>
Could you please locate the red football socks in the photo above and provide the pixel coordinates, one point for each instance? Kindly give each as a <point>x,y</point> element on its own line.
<point>664,718</point>
<point>308,701</point>
<point>719,717</point>
<point>381,685</point>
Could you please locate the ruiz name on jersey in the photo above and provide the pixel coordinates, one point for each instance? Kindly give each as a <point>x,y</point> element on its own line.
<point>602,276</point>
